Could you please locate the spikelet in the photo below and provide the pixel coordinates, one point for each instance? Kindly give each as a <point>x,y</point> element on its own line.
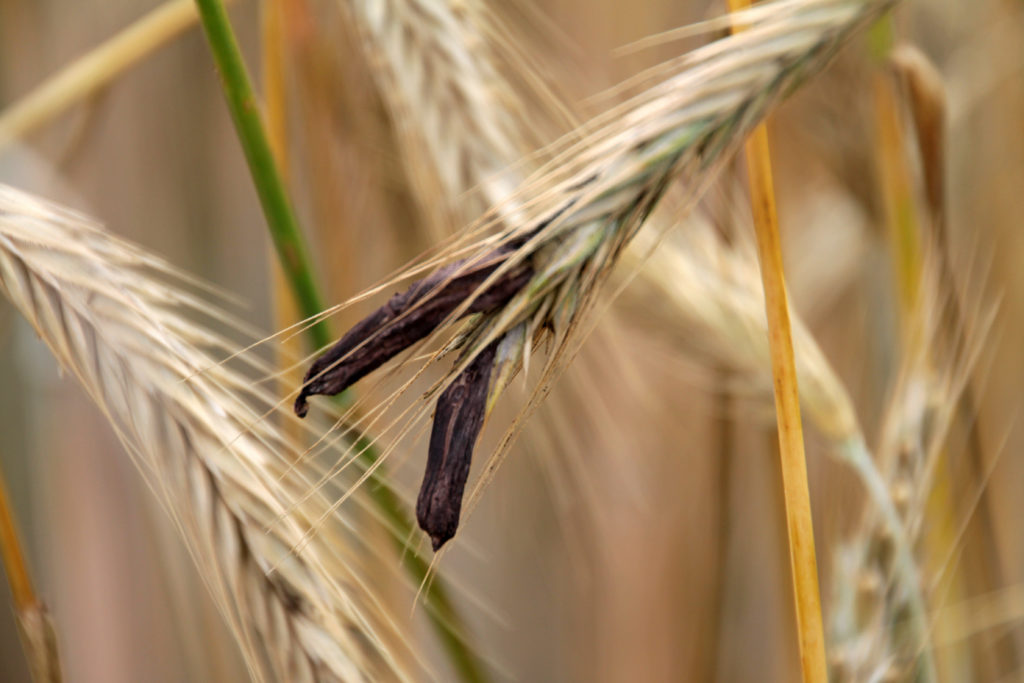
<point>112,317</point>
<point>586,205</point>
<point>880,621</point>
<point>437,53</point>
<point>569,222</point>
<point>455,120</point>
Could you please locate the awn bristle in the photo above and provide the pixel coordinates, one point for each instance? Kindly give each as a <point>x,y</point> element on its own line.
<point>109,315</point>
<point>572,219</point>
<point>436,55</point>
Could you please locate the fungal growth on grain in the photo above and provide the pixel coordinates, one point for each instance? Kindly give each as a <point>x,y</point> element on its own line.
<point>586,292</point>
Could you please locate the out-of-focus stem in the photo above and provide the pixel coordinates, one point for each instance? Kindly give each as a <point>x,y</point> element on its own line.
<point>14,559</point>
<point>897,197</point>
<point>796,492</point>
<point>921,94</point>
<point>286,313</point>
<point>94,70</point>
<point>37,633</point>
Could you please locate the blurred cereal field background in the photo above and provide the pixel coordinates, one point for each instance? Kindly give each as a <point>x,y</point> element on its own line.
<point>636,531</point>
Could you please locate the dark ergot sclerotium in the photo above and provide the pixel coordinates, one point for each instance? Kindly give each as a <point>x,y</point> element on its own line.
<point>457,423</point>
<point>405,319</point>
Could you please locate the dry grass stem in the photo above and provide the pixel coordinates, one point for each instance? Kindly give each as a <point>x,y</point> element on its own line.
<point>796,491</point>
<point>896,186</point>
<point>925,93</point>
<point>286,312</point>
<point>96,69</point>
<point>38,637</point>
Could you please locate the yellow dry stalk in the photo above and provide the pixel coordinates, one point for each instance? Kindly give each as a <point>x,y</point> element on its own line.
<point>286,312</point>
<point>897,195</point>
<point>796,491</point>
<point>89,73</point>
<point>38,636</point>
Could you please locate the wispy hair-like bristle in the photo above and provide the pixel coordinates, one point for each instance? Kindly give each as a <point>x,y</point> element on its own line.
<point>569,222</point>
<point>113,317</point>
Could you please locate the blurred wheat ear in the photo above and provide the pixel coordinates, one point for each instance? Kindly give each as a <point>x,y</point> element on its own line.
<point>878,630</point>
<point>112,316</point>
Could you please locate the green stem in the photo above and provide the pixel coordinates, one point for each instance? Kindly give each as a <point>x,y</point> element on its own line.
<point>294,256</point>
<point>245,111</point>
<point>441,610</point>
